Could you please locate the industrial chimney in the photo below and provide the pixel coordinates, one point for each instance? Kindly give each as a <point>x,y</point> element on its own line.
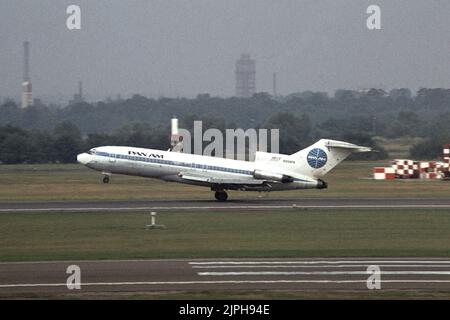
<point>27,92</point>
<point>274,85</point>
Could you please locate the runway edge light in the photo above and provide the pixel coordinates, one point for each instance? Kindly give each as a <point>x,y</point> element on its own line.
<point>153,224</point>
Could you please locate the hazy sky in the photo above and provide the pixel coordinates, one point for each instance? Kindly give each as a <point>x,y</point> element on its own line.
<point>182,48</point>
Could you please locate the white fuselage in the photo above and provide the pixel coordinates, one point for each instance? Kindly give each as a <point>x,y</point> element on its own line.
<point>197,169</point>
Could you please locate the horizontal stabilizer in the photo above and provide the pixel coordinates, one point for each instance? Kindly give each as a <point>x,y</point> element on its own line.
<point>346,145</point>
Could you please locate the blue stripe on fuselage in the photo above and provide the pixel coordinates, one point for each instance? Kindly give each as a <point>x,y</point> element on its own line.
<point>177,163</point>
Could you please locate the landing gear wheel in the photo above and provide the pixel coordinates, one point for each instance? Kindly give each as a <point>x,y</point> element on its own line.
<point>106,179</point>
<point>221,196</point>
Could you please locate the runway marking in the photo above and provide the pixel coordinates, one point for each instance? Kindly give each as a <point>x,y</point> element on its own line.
<point>293,206</point>
<point>311,262</point>
<point>312,277</point>
<point>327,266</point>
<point>31,285</point>
<point>273,265</point>
<point>317,273</point>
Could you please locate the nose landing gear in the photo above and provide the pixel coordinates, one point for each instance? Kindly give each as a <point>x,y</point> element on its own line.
<point>106,176</point>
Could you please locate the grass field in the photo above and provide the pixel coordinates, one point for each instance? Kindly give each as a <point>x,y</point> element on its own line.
<point>47,236</point>
<point>75,182</point>
<point>292,233</point>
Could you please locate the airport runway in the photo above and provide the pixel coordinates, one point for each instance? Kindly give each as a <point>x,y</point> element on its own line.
<point>226,274</point>
<point>245,204</point>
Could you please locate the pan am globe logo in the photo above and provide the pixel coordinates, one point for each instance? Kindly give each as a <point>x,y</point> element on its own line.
<point>317,158</point>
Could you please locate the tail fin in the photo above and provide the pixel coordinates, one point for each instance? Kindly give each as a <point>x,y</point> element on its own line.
<point>317,160</point>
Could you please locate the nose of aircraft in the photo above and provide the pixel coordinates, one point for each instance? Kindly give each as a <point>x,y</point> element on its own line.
<point>83,158</point>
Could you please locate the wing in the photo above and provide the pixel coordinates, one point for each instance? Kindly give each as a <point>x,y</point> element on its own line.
<point>198,177</point>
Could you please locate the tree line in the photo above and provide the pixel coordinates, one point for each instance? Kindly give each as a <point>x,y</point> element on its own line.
<point>62,144</point>
<point>65,141</point>
<point>42,133</point>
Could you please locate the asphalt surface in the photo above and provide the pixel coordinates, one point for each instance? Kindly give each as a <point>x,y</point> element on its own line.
<point>225,274</point>
<point>247,204</point>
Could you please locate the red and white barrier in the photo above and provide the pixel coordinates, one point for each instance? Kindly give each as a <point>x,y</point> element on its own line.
<point>383,173</point>
<point>410,169</point>
<point>446,159</point>
<point>406,169</point>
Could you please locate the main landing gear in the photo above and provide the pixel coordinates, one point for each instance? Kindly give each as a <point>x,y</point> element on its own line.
<point>221,196</point>
<point>106,176</point>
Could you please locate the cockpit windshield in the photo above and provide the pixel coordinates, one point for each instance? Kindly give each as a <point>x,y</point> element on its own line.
<point>92,151</point>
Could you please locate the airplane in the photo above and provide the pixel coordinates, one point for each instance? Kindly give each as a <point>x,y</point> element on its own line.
<point>268,172</point>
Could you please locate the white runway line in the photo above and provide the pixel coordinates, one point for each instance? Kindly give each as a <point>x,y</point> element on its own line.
<point>325,266</point>
<point>312,262</point>
<point>340,263</point>
<point>318,273</point>
<point>75,209</point>
<point>316,265</point>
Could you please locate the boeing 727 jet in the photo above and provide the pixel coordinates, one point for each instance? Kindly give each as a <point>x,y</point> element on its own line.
<point>269,172</point>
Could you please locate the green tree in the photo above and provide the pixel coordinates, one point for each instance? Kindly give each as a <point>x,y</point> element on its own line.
<point>67,143</point>
<point>13,145</point>
<point>295,133</point>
